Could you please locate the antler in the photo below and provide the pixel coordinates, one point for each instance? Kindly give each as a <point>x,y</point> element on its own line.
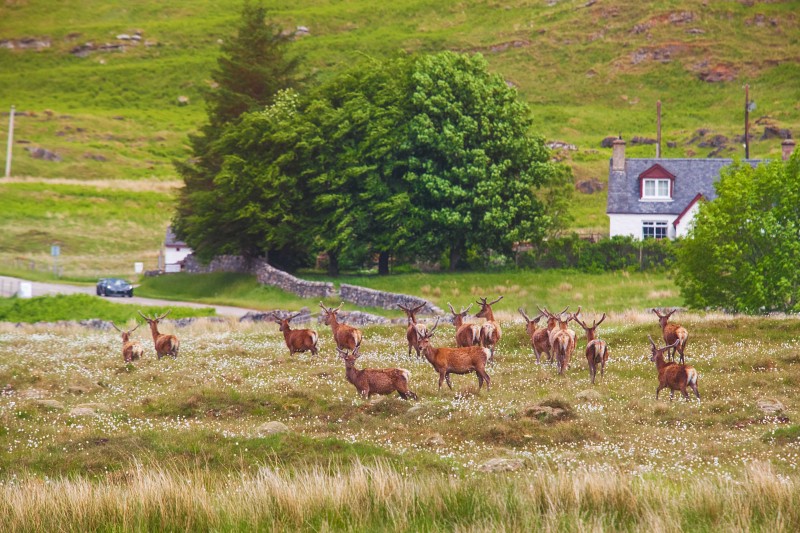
<point>651,342</point>
<point>165,314</point>
<point>494,302</point>
<point>545,312</point>
<point>430,333</point>
<point>601,320</point>
<point>522,312</point>
<point>144,316</point>
<point>134,329</point>
<point>116,328</point>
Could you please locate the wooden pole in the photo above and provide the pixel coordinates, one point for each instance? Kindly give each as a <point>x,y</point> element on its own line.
<point>658,128</point>
<point>10,141</point>
<point>747,121</point>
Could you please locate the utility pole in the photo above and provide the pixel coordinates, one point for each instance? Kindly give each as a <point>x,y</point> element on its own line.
<point>747,121</point>
<point>658,130</point>
<point>10,141</point>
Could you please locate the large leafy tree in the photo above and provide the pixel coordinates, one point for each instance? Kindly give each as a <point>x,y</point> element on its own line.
<point>743,250</point>
<point>474,165</point>
<point>252,68</point>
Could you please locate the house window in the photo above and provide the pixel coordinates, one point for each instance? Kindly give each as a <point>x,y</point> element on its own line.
<point>654,230</point>
<point>656,188</point>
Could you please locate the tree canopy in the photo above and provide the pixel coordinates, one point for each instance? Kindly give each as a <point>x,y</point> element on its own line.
<point>742,253</point>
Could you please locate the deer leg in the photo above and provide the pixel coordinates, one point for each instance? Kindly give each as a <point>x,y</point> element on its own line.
<point>480,380</point>
<point>658,389</point>
<point>685,394</point>
<point>485,376</point>
<point>447,378</point>
<point>441,379</point>
<point>696,392</point>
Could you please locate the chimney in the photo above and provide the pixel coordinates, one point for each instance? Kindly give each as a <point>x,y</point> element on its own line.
<point>618,154</point>
<point>787,148</point>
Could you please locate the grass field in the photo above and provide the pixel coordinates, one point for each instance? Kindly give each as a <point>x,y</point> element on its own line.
<point>92,443</point>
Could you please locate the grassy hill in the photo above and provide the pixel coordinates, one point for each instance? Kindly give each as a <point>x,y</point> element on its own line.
<point>108,105</point>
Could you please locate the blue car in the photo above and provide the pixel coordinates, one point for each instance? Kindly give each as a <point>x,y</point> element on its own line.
<point>114,287</point>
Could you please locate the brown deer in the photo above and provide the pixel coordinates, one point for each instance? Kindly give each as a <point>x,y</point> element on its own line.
<point>371,381</point>
<point>164,344</point>
<point>414,330</point>
<point>541,338</point>
<point>131,350</point>
<point>674,376</point>
<point>346,337</point>
<point>466,334</point>
<point>672,332</point>
<point>462,360</point>
<point>531,328</point>
<point>490,331</point>
<point>297,340</point>
<point>562,339</point>
<point>596,349</point>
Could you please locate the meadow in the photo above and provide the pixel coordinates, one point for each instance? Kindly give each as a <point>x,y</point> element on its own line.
<point>91,442</point>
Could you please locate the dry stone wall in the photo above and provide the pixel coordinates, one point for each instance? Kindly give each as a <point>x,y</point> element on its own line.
<point>269,275</point>
<point>385,300</point>
<point>222,263</point>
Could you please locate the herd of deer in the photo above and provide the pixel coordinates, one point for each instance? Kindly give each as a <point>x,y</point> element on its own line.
<point>475,347</point>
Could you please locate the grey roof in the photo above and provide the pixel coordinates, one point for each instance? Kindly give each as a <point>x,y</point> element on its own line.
<point>692,176</point>
<point>171,239</point>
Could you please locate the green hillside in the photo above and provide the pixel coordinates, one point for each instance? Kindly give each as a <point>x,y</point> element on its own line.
<point>108,105</point>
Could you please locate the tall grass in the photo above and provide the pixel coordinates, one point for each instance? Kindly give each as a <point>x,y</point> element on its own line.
<point>378,497</point>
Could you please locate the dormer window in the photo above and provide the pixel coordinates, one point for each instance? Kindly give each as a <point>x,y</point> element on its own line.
<point>656,184</point>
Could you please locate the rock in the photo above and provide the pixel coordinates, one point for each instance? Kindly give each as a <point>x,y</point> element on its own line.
<point>183,100</point>
<point>42,153</point>
<point>642,140</point>
<point>78,389</point>
<point>608,142</point>
<point>94,406</point>
<point>773,132</point>
<point>271,428</point>
<point>82,411</point>
<point>589,395</point>
<point>770,406</point>
<point>50,404</point>
<point>94,157</point>
<point>590,186</point>
<point>435,440</point>
<point>415,408</point>
<point>32,394</point>
<point>499,464</point>
<point>561,145</point>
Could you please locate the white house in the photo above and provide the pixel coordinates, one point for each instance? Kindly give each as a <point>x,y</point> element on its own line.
<point>173,253</point>
<point>657,197</point>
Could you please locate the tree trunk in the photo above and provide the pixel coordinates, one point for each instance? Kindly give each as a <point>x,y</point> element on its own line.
<point>455,257</point>
<point>383,264</point>
<point>333,264</point>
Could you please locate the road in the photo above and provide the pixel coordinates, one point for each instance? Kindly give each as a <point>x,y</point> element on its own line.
<point>10,286</point>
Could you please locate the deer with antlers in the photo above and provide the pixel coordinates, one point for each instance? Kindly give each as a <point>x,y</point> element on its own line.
<point>562,339</point>
<point>369,381</point>
<point>466,334</point>
<point>674,334</point>
<point>541,337</point>
<point>346,337</point>
<point>531,327</point>
<point>414,330</point>
<point>462,360</point>
<point>131,350</point>
<point>297,340</point>
<point>596,349</point>
<point>164,344</point>
<point>674,376</point>
<point>490,330</point>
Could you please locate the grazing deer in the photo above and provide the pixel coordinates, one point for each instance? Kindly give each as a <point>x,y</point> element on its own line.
<point>674,376</point>
<point>371,381</point>
<point>414,330</point>
<point>596,349</point>
<point>462,360</point>
<point>672,332</point>
<point>531,328</point>
<point>297,340</point>
<point>164,344</point>
<point>131,350</point>
<point>346,337</point>
<point>490,331</point>
<point>466,334</point>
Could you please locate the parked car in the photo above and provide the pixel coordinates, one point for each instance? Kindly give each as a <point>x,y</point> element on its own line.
<point>114,287</point>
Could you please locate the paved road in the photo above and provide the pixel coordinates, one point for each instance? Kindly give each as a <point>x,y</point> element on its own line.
<point>9,286</point>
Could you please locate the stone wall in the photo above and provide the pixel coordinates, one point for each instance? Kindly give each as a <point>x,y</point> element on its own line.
<point>386,300</point>
<point>268,275</point>
<point>222,263</point>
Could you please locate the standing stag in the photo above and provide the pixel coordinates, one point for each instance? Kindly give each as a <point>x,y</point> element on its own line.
<point>596,349</point>
<point>541,338</point>
<point>131,350</point>
<point>466,334</point>
<point>297,340</point>
<point>672,333</point>
<point>414,331</point>
<point>164,344</point>
<point>490,331</point>
<point>531,328</point>
<point>462,360</point>
<point>371,381</point>
<point>674,376</point>
<point>562,339</point>
<point>346,337</point>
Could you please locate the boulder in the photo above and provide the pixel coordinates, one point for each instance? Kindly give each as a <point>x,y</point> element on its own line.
<point>500,464</point>
<point>770,406</point>
<point>51,405</point>
<point>273,427</point>
<point>589,395</point>
<point>82,411</point>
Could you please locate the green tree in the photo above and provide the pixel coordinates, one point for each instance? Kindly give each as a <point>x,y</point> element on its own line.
<point>251,69</point>
<point>743,250</point>
<point>474,165</point>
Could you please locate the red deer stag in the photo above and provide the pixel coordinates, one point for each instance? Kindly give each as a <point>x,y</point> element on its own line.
<point>131,350</point>
<point>462,360</point>
<point>371,381</point>
<point>466,334</point>
<point>297,340</point>
<point>164,344</point>
<point>541,338</point>
<point>346,337</point>
<point>674,376</point>
<point>596,349</point>
<point>672,332</point>
<point>490,331</point>
<point>562,339</point>
<point>414,330</point>
<point>531,328</point>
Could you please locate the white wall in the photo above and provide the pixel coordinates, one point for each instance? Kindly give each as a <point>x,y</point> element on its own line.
<point>688,219</point>
<point>175,255</point>
<point>632,224</point>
